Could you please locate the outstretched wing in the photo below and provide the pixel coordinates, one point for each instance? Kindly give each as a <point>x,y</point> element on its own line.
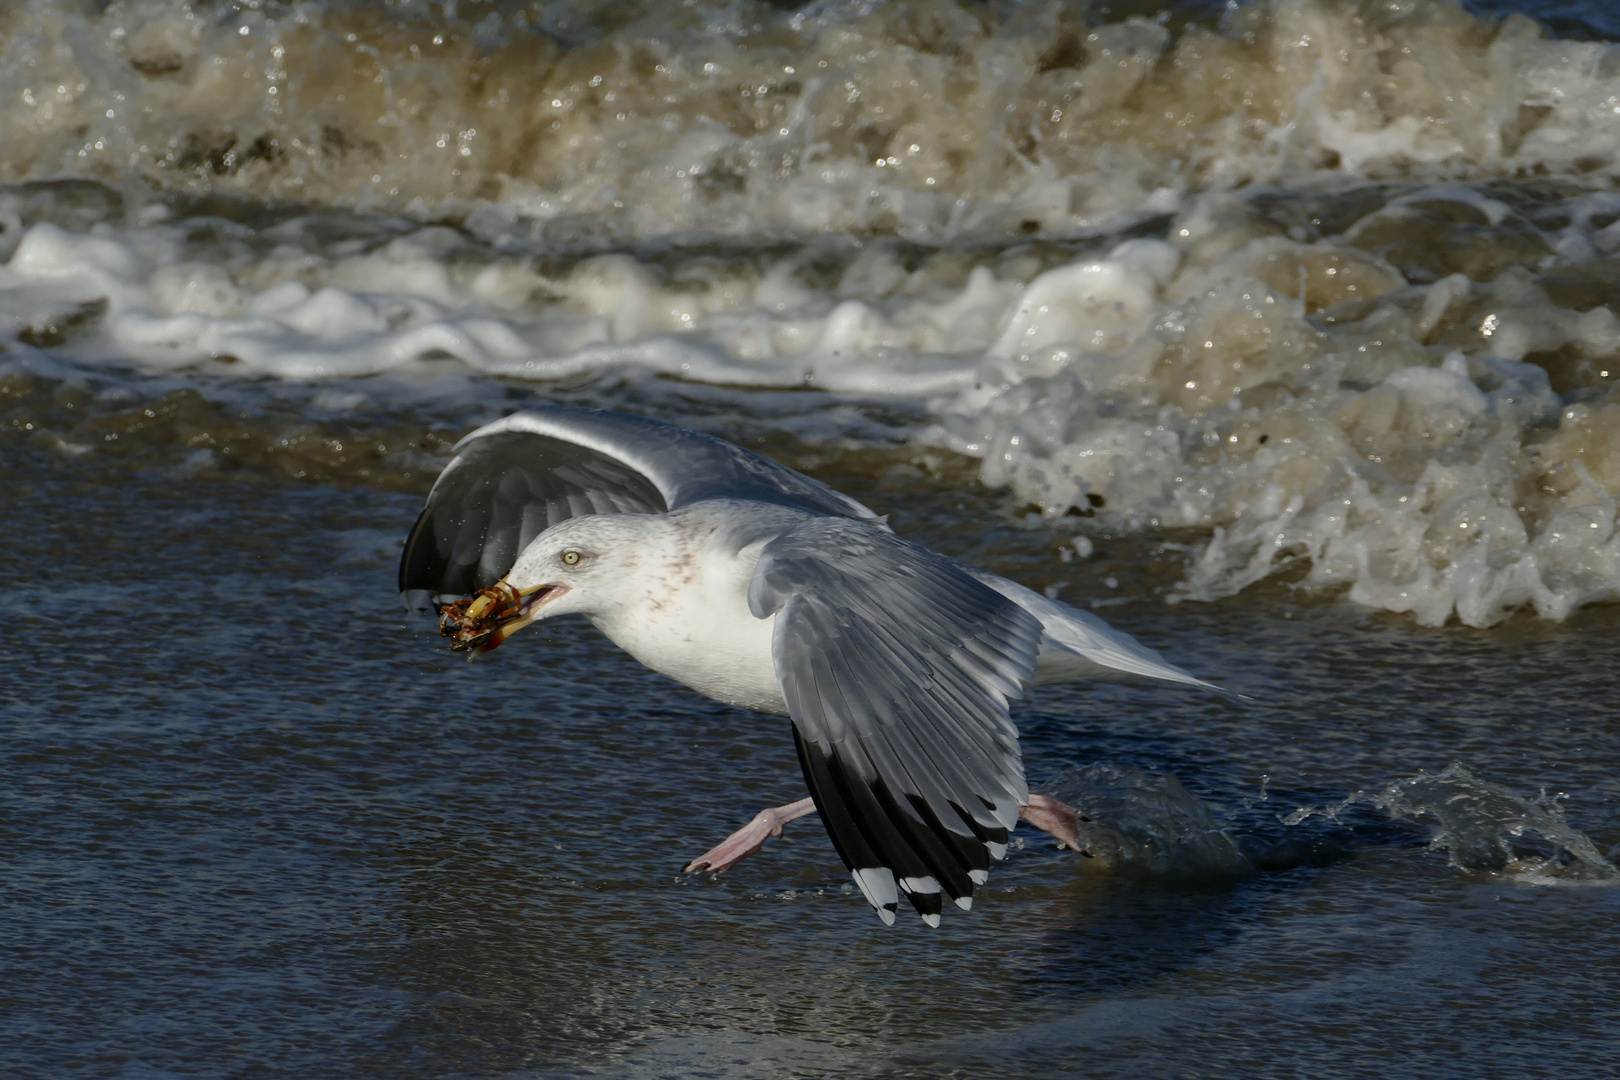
<point>897,668</point>
<point>515,478</point>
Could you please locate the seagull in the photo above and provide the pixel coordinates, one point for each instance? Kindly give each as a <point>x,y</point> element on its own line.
<point>768,590</point>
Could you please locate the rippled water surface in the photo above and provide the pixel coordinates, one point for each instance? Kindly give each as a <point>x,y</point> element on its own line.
<point>257,819</point>
<point>1282,335</point>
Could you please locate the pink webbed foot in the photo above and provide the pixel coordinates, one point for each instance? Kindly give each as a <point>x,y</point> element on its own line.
<point>1055,817</point>
<point>750,838</point>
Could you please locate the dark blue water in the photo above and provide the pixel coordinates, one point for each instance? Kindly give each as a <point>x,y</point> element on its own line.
<point>257,821</point>
<point>1581,20</point>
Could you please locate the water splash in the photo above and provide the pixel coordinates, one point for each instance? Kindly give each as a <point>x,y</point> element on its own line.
<point>1147,824</point>
<point>1484,827</point>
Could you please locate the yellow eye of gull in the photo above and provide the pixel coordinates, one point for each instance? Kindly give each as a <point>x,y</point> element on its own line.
<point>570,557</point>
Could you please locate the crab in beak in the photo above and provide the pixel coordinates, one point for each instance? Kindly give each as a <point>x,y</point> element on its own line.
<point>494,613</point>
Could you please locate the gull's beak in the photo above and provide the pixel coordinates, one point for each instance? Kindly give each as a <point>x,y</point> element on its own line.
<point>494,614</point>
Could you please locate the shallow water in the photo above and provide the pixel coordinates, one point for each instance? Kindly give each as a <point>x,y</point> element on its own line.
<point>1283,336</point>
<point>259,820</point>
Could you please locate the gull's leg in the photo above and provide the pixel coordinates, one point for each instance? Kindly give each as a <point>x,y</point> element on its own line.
<point>1058,818</point>
<point>751,837</point>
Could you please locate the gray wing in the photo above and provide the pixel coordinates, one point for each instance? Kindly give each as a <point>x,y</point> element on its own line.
<point>1078,645</point>
<point>515,478</point>
<point>897,668</point>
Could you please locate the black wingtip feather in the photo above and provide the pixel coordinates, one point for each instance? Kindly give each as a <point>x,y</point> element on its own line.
<point>896,667</point>
<point>869,828</point>
<point>927,903</point>
<point>847,837</point>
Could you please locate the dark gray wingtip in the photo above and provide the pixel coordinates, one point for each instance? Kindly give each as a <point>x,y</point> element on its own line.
<point>501,490</point>
<point>512,479</point>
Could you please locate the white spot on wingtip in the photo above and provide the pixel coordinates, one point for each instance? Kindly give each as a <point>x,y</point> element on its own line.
<point>978,877</point>
<point>877,885</point>
<point>997,851</point>
<point>931,920</point>
<point>887,915</point>
<point>965,903</point>
<point>920,884</point>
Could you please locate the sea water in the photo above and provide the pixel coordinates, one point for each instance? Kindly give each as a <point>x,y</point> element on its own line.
<point>1281,334</point>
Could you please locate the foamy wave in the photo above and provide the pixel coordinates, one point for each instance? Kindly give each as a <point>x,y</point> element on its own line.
<point>928,119</point>
<point>402,306</point>
<point>1389,370</point>
<point>1447,449</point>
<point>1321,415</point>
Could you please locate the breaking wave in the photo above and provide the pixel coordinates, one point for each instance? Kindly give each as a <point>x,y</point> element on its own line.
<point>1329,286</point>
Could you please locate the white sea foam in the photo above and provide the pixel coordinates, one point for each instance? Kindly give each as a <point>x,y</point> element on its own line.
<point>1404,448</point>
<point>1333,283</point>
<point>928,119</point>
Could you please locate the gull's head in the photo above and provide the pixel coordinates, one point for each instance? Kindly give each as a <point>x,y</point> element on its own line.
<point>579,566</point>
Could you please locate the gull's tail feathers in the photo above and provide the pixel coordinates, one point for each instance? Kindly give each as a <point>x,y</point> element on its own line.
<point>1078,645</point>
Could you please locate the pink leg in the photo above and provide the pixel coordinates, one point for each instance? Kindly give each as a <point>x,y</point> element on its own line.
<point>1058,818</point>
<point>750,838</point>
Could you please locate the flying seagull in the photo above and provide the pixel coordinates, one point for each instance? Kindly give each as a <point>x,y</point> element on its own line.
<point>768,590</point>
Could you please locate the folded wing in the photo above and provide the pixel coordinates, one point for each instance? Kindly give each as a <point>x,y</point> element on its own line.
<point>897,667</point>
